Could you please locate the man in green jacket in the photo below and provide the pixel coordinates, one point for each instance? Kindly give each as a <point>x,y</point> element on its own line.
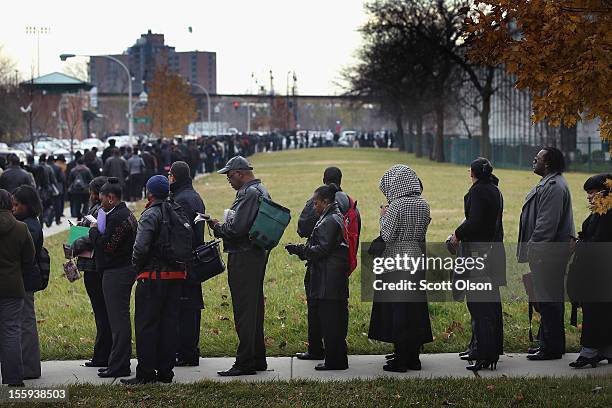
<point>17,249</point>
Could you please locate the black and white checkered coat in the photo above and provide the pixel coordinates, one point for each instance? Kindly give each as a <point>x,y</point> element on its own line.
<point>404,225</point>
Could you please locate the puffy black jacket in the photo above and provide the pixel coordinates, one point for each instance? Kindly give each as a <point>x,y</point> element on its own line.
<point>32,280</point>
<point>183,194</point>
<point>327,255</point>
<point>13,177</point>
<point>308,216</point>
<point>146,256</point>
<point>235,231</point>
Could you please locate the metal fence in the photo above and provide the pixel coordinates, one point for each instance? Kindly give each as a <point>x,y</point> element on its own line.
<point>591,156</point>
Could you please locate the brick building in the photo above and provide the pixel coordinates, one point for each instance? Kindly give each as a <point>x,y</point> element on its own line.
<point>143,57</point>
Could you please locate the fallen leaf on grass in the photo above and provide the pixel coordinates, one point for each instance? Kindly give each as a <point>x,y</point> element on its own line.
<point>490,387</point>
<point>222,318</point>
<point>269,341</point>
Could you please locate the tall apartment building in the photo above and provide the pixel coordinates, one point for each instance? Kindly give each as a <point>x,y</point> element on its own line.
<point>143,57</point>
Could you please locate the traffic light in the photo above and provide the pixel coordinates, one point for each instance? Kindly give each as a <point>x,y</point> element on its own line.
<point>236,105</point>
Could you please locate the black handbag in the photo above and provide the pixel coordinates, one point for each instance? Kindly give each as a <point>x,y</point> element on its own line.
<point>377,247</point>
<point>207,261</point>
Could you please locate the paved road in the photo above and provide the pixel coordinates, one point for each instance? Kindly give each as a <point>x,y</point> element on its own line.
<point>55,373</point>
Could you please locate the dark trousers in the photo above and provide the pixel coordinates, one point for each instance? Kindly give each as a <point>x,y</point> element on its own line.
<point>136,185</point>
<point>333,322</point>
<point>58,207</point>
<point>245,275</point>
<point>156,323</point>
<point>78,205</point>
<point>315,335</point>
<point>48,210</point>
<point>11,365</point>
<point>190,316</point>
<point>117,289</point>
<point>548,280</point>
<point>487,327</point>
<point>104,337</point>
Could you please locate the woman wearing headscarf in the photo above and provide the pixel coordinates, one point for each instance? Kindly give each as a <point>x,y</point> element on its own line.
<point>403,226</point>
<point>86,262</point>
<point>113,245</point>
<point>589,281</point>
<point>27,208</point>
<point>481,234</point>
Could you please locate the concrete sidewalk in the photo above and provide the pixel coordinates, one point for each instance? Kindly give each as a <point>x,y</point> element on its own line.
<point>55,373</point>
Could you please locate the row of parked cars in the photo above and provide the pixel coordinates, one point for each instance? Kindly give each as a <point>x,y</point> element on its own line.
<point>53,146</point>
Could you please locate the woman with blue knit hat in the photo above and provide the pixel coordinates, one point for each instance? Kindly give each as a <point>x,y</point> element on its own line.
<point>160,272</point>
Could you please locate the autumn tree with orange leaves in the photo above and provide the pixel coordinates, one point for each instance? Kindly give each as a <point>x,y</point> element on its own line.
<point>170,106</point>
<point>561,50</point>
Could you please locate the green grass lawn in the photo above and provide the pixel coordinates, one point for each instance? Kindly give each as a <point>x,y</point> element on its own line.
<point>387,392</point>
<point>66,321</point>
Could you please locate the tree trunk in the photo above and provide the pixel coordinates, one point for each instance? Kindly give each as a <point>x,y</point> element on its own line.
<point>487,92</point>
<point>410,136</point>
<point>418,142</point>
<point>438,150</point>
<point>399,123</point>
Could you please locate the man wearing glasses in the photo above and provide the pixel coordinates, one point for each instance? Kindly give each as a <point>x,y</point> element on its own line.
<point>545,230</point>
<point>246,267</point>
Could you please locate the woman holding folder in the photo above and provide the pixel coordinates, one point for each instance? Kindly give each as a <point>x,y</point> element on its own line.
<point>83,248</point>
<point>113,237</point>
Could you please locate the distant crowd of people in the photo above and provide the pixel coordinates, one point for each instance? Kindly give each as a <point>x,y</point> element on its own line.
<point>154,252</point>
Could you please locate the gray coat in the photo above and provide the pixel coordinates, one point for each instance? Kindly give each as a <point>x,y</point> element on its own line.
<point>546,217</point>
<point>235,231</point>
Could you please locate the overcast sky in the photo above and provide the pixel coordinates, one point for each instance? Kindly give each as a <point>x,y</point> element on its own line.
<point>316,38</point>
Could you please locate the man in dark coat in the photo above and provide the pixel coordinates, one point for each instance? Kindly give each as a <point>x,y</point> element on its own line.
<point>157,292</point>
<point>108,151</point>
<point>60,178</point>
<point>116,166</point>
<point>182,192</point>
<point>246,266</point>
<point>545,229</point>
<point>14,176</point>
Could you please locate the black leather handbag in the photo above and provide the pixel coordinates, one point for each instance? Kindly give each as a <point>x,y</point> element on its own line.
<point>207,261</point>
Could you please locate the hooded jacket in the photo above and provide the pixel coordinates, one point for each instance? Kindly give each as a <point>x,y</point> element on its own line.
<point>17,250</point>
<point>404,226</point>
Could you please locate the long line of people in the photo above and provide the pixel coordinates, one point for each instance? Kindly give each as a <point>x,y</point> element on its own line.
<point>168,302</point>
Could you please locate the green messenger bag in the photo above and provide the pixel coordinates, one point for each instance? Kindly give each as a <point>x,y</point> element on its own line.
<point>270,224</point>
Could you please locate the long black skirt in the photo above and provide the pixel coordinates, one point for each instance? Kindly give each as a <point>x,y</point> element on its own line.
<point>400,322</point>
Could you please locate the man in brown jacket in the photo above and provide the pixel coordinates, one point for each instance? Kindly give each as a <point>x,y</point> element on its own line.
<point>16,249</point>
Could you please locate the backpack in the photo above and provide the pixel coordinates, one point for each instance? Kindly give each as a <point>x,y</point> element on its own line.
<point>176,234</point>
<point>351,233</point>
<point>79,185</point>
<point>270,223</point>
<point>44,265</point>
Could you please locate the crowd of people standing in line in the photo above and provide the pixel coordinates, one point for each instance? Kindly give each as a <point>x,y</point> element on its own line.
<point>168,302</point>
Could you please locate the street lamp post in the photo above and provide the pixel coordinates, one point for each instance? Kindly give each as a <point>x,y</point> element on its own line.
<point>64,57</point>
<point>207,100</point>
